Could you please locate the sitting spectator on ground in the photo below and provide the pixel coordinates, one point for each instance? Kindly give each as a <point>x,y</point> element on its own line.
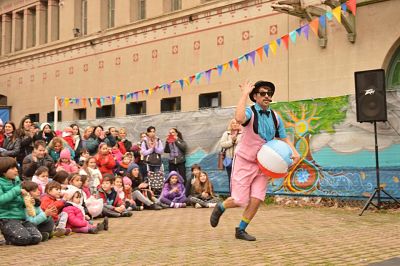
<point>36,159</point>
<point>12,144</point>
<point>55,147</point>
<point>128,199</point>
<point>173,193</point>
<point>61,177</point>
<point>93,141</point>
<point>84,155</point>
<point>66,163</point>
<point>196,170</point>
<point>42,220</point>
<point>1,133</point>
<point>113,205</point>
<point>105,160</point>
<point>94,175</point>
<point>41,178</point>
<point>202,194</point>
<point>122,168</point>
<point>46,133</point>
<point>15,229</point>
<point>124,144</point>
<point>25,134</point>
<point>67,136</point>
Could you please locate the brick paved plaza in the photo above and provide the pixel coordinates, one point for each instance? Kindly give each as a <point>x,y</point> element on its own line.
<point>285,236</point>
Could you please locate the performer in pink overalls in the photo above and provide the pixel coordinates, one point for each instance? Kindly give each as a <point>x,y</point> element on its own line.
<point>248,183</point>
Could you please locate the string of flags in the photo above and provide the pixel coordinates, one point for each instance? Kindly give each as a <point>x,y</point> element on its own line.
<point>262,51</point>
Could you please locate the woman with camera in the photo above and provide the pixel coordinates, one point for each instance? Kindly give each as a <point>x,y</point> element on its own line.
<point>176,147</point>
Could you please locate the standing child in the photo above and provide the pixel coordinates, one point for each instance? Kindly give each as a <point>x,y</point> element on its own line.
<point>90,169</point>
<point>113,205</point>
<point>15,229</point>
<point>42,220</point>
<point>76,215</point>
<point>41,177</point>
<point>202,194</point>
<point>173,192</point>
<point>66,163</point>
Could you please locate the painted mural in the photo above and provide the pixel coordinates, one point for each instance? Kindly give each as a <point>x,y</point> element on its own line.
<point>337,152</point>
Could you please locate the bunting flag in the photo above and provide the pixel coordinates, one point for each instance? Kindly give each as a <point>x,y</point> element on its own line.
<point>272,46</point>
<point>285,39</point>
<point>337,13</point>
<point>314,25</point>
<point>352,5</point>
<point>260,53</point>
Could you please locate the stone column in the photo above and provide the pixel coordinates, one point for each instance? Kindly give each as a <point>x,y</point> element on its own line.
<point>17,31</point>
<point>41,24</point>
<point>53,27</point>
<point>6,34</point>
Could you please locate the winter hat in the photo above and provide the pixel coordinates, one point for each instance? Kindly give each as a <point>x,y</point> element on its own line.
<point>67,132</point>
<point>65,154</point>
<point>127,181</point>
<point>43,125</point>
<point>69,193</point>
<point>132,166</point>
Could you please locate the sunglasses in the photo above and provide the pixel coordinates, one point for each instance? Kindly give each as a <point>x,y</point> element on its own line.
<point>263,93</point>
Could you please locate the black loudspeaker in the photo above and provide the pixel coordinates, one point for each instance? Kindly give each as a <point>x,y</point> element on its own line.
<point>370,95</point>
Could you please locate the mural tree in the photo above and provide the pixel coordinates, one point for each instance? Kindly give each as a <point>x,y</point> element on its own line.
<point>305,119</point>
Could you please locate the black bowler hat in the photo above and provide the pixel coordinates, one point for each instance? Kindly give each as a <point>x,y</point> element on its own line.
<point>260,84</point>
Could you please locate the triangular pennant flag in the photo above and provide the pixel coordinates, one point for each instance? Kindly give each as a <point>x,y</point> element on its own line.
<point>102,100</point>
<point>181,82</point>
<point>278,41</point>
<point>146,91</point>
<point>198,76</point>
<point>84,102</point>
<point>329,15</point>
<point>225,66</point>
<point>191,78</point>
<point>187,81</point>
<point>236,64</point>
<point>136,95</point>
<point>252,55</point>
<point>285,40</point>
<point>322,21</point>
<point>77,101</point>
<point>337,13</point>
<point>208,75</point>
<point>117,99</point>
<point>266,48</point>
<point>260,53</point>
<point>128,96</point>
<point>352,6</point>
<point>124,97</point>
<point>60,102</point>
<point>299,31</point>
<point>66,102</point>
<point>151,90</point>
<point>231,63</point>
<point>344,7</point>
<point>247,57</point>
<point>273,46</point>
<point>305,29</point>
<point>240,59</point>
<point>168,88</point>
<point>90,101</point>
<point>113,99</point>
<point>219,68</point>
<point>293,35</point>
<point>98,102</point>
<point>314,25</point>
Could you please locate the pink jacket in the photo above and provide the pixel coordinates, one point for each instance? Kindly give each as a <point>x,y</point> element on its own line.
<point>76,218</point>
<point>69,168</point>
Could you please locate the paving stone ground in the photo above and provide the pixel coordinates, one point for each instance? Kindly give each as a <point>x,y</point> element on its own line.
<point>285,236</point>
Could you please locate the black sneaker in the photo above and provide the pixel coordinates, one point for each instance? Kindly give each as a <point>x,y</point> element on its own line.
<point>100,226</point>
<point>155,207</point>
<point>126,214</point>
<point>93,230</point>
<point>243,235</point>
<point>45,236</point>
<point>215,215</point>
<point>105,222</point>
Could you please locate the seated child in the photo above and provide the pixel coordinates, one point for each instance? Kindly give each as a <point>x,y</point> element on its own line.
<point>130,203</point>
<point>42,220</point>
<point>105,160</point>
<point>116,153</point>
<point>16,230</point>
<point>65,163</point>
<point>122,169</point>
<point>202,194</point>
<point>76,214</point>
<point>196,170</point>
<point>173,192</point>
<point>119,187</point>
<point>62,178</point>
<point>113,205</point>
<point>84,155</point>
<point>41,177</point>
<point>52,197</point>
<point>141,191</point>
<point>90,169</point>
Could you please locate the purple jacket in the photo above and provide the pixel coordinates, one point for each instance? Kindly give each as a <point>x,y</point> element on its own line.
<point>146,150</point>
<point>180,196</point>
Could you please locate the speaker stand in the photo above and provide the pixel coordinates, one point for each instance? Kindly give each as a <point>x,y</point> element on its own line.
<point>378,188</point>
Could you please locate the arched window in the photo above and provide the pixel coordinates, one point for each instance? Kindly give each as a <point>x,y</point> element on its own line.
<point>393,82</point>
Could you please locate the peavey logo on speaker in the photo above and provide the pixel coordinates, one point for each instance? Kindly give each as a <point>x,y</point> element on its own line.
<point>369,92</point>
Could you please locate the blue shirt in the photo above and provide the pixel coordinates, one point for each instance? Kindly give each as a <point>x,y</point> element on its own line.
<point>266,126</point>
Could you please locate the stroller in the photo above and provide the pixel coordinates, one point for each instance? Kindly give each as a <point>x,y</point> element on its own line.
<point>156,182</point>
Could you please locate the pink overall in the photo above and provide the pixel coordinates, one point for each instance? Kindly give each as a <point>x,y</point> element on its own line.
<point>247,180</point>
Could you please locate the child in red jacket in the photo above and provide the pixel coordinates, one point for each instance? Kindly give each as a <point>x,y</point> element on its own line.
<point>52,197</point>
<point>76,215</point>
<point>105,160</point>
